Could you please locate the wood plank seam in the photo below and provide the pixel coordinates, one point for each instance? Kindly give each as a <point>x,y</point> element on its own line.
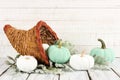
<point>28,76</point>
<point>89,75</point>
<point>115,72</point>
<point>58,76</point>
<point>59,7</point>
<point>5,70</point>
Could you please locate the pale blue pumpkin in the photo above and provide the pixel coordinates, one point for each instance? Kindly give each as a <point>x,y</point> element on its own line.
<point>102,55</point>
<point>58,54</point>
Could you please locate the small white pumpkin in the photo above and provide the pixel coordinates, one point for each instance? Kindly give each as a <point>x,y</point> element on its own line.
<point>26,63</point>
<point>81,61</point>
<point>45,46</point>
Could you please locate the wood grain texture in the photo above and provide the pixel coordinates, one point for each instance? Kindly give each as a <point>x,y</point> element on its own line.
<point>92,74</point>
<point>116,66</point>
<point>103,75</point>
<point>84,20</point>
<point>102,15</point>
<point>80,75</point>
<point>43,77</point>
<point>3,65</point>
<point>11,75</point>
<point>59,3</point>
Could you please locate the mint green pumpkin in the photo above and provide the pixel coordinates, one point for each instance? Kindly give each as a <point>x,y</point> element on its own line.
<point>58,54</point>
<point>102,55</point>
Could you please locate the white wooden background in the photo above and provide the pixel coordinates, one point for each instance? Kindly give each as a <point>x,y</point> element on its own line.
<point>79,21</point>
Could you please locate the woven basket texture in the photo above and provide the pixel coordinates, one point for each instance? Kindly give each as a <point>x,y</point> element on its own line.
<point>29,42</point>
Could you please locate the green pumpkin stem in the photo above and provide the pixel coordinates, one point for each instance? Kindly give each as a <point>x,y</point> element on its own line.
<point>60,44</point>
<point>57,41</point>
<point>103,44</point>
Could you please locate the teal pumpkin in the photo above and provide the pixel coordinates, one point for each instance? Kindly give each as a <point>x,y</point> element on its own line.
<point>102,55</point>
<point>58,53</point>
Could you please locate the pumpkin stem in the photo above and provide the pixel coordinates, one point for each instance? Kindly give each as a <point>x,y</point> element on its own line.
<point>59,44</point>
<point>103,44</point>
<point>82,53</point>
<point>57,41</point>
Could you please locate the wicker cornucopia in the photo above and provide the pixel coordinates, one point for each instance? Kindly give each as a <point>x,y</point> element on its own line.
<point>30,42</point>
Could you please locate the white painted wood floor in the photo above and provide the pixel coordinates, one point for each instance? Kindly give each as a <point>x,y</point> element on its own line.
<point>113,73</point>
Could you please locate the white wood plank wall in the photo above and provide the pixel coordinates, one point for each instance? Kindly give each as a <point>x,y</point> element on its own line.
<point>79,21</point>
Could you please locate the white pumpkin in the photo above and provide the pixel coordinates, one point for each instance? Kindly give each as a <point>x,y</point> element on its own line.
<point>81,62</point>
<point>26,63</point>
<point>45,46</point>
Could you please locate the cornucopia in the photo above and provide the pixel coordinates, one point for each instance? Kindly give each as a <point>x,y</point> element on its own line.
<point>29,42</point>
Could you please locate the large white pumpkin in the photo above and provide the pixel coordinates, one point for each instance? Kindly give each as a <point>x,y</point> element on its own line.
<point>45,46</point>
<point>26,63</point>
<point>79,62</point>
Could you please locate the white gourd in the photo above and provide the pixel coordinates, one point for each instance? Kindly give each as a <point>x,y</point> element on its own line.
<point>81,62</point>
<point>45,46</point>
<point>26,63</point>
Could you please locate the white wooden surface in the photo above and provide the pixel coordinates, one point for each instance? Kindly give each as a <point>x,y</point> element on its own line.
<point>43,77</point>
<point>10,75</point>
<point>82,75</point>
<point>3,66</point>
<point>116,66</point>
<point>103,75</point>
<point>79,21</point>
<point>112,73</point>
